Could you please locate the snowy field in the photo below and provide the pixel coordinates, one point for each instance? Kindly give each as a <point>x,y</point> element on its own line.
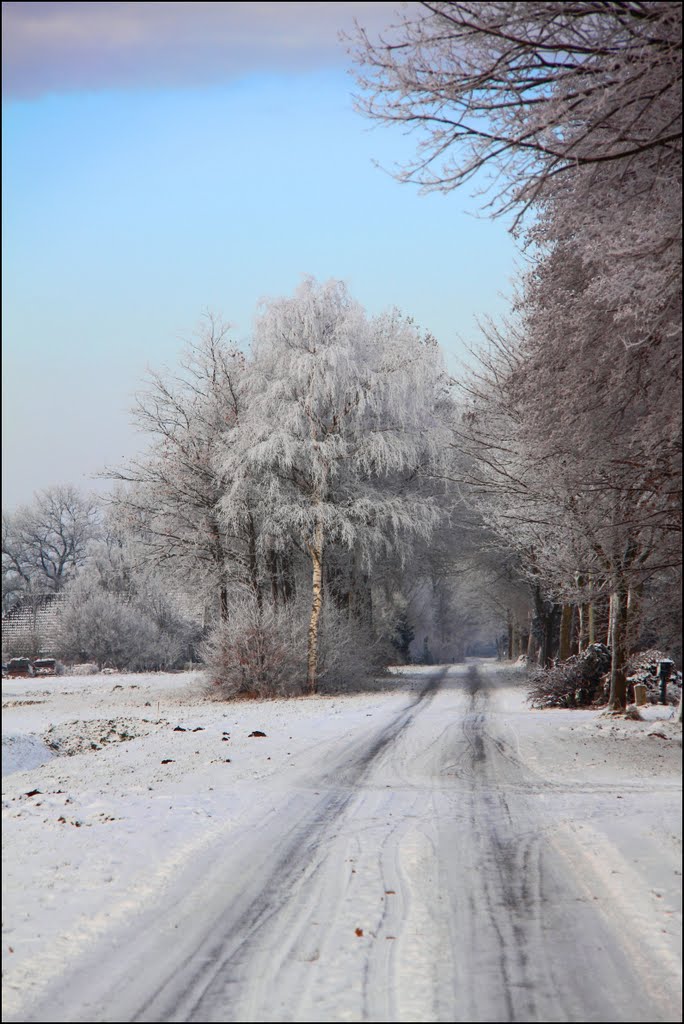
<point>135,812</point>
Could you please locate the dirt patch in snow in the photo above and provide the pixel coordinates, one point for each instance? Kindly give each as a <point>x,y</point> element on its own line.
<point>79,736</point>
<point>20,703</point>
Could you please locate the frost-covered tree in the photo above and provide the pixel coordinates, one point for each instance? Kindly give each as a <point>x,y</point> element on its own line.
<point>602,329</point>
<point>95,625</point>
<point>528,91</point>
<point>573,433</point>
<point>44,544</point>
<point>566,457</point>
<point>173,493</point>
<point>119,612</point>
<point>342,425</point>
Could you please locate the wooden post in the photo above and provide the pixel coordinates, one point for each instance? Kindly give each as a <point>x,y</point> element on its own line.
<point>640,694</point>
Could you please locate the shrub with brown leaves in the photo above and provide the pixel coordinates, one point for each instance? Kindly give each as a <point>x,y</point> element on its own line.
<point>572,683</point>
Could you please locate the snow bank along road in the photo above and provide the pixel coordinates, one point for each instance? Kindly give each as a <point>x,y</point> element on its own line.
<point>437,853</point>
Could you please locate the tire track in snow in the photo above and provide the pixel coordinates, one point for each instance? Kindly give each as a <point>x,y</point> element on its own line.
<point>197,991</point>
<point>538,949</point>
<point>488,919</point>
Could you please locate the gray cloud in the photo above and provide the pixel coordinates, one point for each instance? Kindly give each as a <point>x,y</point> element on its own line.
<point>65,47</point>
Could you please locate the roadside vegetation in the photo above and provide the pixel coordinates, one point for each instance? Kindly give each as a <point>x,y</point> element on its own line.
<point>332,499</point>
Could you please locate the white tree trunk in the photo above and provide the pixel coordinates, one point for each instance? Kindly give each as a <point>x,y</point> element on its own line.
<point>618,646</point>
<point>316,552</point>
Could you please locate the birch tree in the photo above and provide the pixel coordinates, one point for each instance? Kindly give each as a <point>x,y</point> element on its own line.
<point>343,422</point>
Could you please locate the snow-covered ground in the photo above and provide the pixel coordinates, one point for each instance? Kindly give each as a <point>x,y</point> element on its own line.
<point>431,851</point>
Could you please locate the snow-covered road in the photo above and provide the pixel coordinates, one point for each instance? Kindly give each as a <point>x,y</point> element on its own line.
<point>438,853</point>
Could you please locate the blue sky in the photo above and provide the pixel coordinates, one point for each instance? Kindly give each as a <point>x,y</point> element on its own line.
<point>143,186</point>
